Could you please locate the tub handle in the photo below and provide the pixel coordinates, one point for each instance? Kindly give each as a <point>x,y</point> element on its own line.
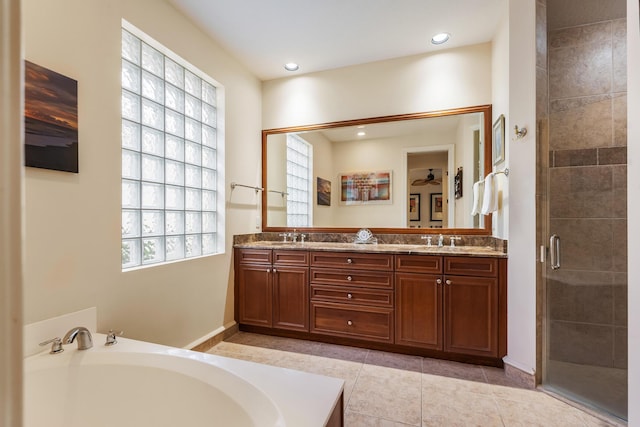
<point>111,337</point>
<point>56,345</point>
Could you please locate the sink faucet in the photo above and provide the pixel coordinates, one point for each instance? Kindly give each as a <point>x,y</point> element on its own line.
<point>440,241</point>
<point>453,240</point>
<point>85,341</point>
<point>428,239</point>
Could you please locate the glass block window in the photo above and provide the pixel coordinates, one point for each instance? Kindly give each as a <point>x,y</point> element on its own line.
<point>170,173</point>
<point>299,170</point>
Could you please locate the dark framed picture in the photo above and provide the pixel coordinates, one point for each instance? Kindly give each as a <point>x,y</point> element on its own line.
<point>436,207</point>
<point>414,207</point>
<point>323,192</point>
<point>50,119</point>
<point>498,140</point>
<point>457,183</point>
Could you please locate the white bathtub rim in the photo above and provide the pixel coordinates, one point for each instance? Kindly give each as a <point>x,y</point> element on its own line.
<point>289,400</point>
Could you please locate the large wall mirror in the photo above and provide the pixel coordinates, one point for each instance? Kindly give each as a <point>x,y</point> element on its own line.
<point>410,173</point>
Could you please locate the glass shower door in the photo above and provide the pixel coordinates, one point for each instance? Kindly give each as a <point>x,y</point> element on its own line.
<point>584,218</point>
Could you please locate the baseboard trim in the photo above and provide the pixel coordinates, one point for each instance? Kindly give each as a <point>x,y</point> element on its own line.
<point>207,342</point>
<point>526,377</point>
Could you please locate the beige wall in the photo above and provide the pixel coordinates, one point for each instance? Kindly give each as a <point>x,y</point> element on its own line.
<point>448,79</point>
<point>73,220</point>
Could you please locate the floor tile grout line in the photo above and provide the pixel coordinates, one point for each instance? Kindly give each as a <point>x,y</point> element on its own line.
<point>355,383</point>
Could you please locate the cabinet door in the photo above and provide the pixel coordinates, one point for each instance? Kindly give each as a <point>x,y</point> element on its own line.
<point>471,315</point>
<point>419,310</point>
<point>255,294</point>
<point>291,298</point>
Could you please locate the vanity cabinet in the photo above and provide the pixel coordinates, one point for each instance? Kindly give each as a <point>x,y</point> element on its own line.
<point>445,306</point>
<point>451,304</point>
<point>352,295</point>
<point>273,288</point>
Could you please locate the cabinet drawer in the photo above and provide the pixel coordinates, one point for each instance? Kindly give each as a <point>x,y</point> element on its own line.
<point>254,256</point>
<point>347,295</point>
<point>291,257</point>
<point>372,279</point>
<point>352,260</point>
<point>367,323</point>
<point>419,264</point>
<point>471,266</point>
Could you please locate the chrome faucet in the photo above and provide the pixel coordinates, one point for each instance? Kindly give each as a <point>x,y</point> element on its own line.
<point>85,341</point>
<point>440,241</point>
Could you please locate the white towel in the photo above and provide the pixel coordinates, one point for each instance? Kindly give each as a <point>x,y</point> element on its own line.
<point>490,197</point>
<point>478,193</point>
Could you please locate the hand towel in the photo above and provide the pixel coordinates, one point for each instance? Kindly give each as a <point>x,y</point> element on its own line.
<point>490,197</point>
<point>478,193</point>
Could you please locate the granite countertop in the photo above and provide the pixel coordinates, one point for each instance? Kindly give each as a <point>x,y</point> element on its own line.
<point>484,251</point>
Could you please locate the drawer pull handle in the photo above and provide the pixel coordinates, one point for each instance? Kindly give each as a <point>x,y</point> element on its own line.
<point>349,296</point>
<point>349,261</point>
<point>349,322</point>
<point>448,282</point>
<point>349,278</point>
<point>438,281</point>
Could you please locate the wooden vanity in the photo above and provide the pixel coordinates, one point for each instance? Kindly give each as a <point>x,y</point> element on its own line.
<point>444,305</point>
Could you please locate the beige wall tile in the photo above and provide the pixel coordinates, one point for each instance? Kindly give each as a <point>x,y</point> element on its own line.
<point>580,70</point>
<point>619,55</point>
<point>542,97</point>
<point>620,245</point>
<point>573,300</point>
<point>620,305</point>
<point>580,123</point>
<point>586,243</point>
<point>584,192</point>
<point>541,35</point>
<point>620,350</point>
<point>620,119</point>
<point>581,343</point>
<point>580,35</point>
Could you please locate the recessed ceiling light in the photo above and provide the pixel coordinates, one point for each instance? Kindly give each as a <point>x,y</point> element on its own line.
<point>361,133</point>
<point>291,66</point>
<point>440,38</point>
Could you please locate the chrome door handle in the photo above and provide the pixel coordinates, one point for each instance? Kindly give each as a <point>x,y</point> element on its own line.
<point>554,249</point>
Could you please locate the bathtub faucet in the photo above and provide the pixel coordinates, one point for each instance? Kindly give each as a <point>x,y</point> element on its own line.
<point>85,341</point>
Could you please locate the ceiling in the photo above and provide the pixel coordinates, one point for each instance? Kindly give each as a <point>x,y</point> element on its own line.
<point>327,34</point>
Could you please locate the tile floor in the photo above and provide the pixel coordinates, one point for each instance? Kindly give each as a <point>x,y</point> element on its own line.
<point>393,390</point>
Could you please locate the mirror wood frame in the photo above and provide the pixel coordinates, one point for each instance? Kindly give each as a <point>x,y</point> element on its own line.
<point>486,109</point>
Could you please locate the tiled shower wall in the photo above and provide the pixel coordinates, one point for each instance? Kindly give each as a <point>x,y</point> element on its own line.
<point>587,100</point>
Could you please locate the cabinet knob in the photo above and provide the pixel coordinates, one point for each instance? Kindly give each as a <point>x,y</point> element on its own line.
<point>349,322</point>
<point>448,282</point>
<point>349,278</point>
<point>275,271</point>
<point>349,261</point>
<point>349,296</point>
<point>438,281</point>
<point>268,270</point>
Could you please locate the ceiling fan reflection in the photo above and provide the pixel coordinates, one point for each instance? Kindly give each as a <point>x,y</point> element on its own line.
<point>429,180</point>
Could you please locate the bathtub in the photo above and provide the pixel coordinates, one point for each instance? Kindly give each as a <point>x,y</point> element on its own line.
<point>135,383</point>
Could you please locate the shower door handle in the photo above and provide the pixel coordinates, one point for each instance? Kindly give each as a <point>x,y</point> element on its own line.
<point>554,248</point>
